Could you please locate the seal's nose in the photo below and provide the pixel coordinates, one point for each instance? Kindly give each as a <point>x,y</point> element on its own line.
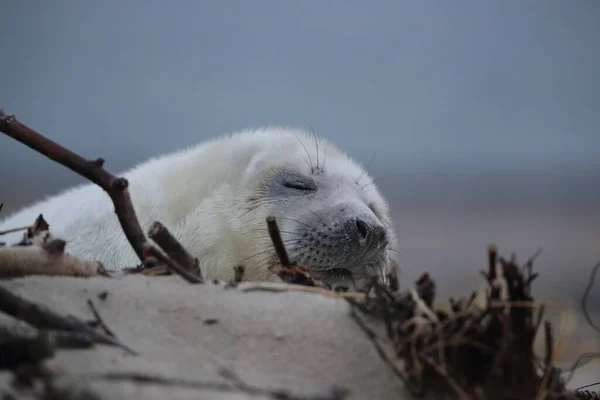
<point>367,234</point>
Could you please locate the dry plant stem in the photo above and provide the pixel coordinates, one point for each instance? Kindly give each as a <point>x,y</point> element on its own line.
<point>278,242</point>
<point>167,242</point>
<point>44,318</point>
<point>115,187</point>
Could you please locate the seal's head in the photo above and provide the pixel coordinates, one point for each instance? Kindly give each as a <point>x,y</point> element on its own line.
<point>332,217</point>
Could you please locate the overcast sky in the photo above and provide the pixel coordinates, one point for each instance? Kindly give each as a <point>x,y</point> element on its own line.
<point>463,84</point>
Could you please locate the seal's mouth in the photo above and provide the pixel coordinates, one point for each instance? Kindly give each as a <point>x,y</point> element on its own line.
<point>338,279</point>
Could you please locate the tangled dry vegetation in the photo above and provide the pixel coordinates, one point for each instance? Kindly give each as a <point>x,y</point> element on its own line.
<point>481,348</point>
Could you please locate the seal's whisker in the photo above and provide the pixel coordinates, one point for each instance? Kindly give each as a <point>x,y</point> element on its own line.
<point>316,215</point>
<point>316,144</point>
<point>287,239</point>
<point>288,232</point>
<point>310,164</point>
<point>271,257</point>
<point>347,204</point>
<point>299,222</point>
<point>368,183</point>
<point>272,250</point>
<point>364,170</point>
<point>255,255</point>
<point>262,261</point>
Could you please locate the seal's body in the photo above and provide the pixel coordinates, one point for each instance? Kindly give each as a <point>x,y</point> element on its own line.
<point>215,197</point>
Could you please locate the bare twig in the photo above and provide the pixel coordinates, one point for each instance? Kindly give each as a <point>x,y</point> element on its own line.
<point>151,251</point>
<point>278,242</point>
<point>167,242</point>
<point>116,188</point>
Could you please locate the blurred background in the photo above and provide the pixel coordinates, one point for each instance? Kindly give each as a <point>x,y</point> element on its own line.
<point>483,116</point>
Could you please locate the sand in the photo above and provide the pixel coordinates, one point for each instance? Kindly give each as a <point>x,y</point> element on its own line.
<point>300,342</point>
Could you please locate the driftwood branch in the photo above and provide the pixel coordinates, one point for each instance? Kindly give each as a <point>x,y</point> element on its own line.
<point>115,187</point>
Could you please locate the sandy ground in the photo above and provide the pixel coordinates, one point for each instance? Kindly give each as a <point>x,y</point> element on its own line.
<point>300,342</point>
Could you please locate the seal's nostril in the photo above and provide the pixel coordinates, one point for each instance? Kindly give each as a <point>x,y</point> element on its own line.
<point>363,229</point>
<point>380,236</point>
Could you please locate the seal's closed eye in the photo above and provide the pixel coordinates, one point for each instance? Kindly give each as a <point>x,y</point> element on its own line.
<point>299,185</point>
<point>296,182</point>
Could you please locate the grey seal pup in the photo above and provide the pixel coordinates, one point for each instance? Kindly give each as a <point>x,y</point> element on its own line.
<point>214,197</point>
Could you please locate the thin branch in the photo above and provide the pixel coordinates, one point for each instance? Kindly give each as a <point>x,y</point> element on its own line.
<point>174,266</point>
<point>278,242</point>
<point>115,187</point>
<point>161,235</point>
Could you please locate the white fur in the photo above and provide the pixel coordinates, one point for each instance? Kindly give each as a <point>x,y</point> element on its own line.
<point>201,195</point>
